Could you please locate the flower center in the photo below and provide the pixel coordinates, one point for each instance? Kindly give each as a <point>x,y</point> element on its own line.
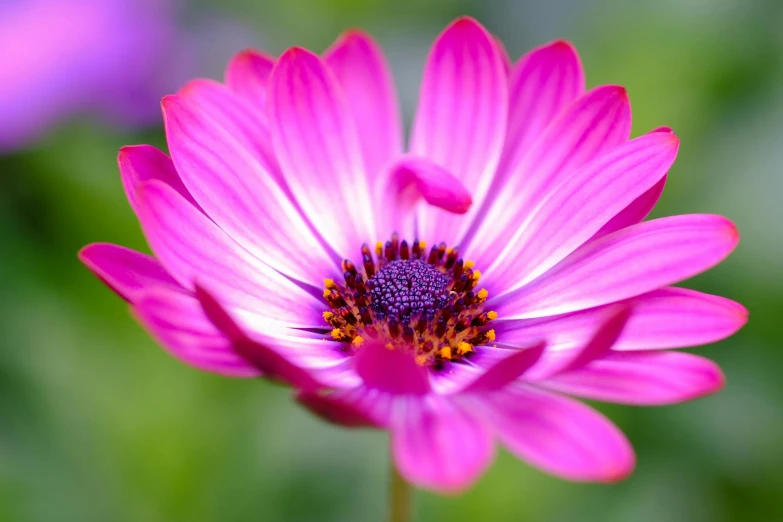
<point>410,300</point>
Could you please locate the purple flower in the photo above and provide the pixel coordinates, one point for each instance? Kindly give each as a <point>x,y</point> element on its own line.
<point>62,57</point>
<point>264,220</point>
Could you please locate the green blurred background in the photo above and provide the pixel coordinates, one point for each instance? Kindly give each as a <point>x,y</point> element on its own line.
<point>99,424</point>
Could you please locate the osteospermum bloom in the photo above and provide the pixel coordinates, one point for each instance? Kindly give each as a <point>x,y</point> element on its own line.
<point>457,292</point>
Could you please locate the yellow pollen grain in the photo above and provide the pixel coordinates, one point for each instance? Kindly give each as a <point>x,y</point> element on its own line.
<point>378,248</point>
<point>421,359</point>
<point>337,334</point>
<point>423,244</point>
<point>482,294</point>
<point>469,264</point>
<point>463,348</point>
<point>358,340</point>
<point>492,315</point>
<point>327,293</point>
<point>449,250</point>
<point>329,283</point>
<point>476,275</point>
<point>491,335</point>
<point>328,316</point>
<point>445,352</point>
<point>389,346</point>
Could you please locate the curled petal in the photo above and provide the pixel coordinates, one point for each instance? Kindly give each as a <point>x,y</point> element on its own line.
<point>392,371</point>
<point>507,370</point>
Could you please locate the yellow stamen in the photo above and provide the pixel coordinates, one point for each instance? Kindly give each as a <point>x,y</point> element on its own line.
<point>337,334</point>
<point>421,359</point>
<point>469,264</point>
<point>463,348</point>
<point>389,346</point>
<point>482,294</point>
<point>492,315</point>
<point>445,353</point>
<point>423,245</point>
<point>327,293</point>
<point>491,335</point>
<point>378,248</point>
<point>476,276</point>
<point>358,340</point>
<point>328,316</point>
<point>329,283</point>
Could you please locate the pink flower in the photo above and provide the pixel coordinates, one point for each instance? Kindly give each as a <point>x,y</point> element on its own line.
<point>277,178</point>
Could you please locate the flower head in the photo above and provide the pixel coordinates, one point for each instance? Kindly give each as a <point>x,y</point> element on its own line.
<point>455,292</point>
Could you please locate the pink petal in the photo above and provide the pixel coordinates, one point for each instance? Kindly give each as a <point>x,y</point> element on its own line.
<point>556,434</point>
<point>666,318</point>
<point>610,324</point>
<point>543,83</point>
<point>438,445</point>
<point>240,195</point>
<point>307,364</point>
<point>192,248</point>
<point>216,105</point>
<point>625,264</point>
<point>354,406</point>
<point>643,378</point>
<point>360,68</point>
<point>140,163</point>
<point>178,322</point>
<point>319,151</point>
<point>461,120</point>
<point>248,75</point>
<point>391,371</point>
<point>126,271</point>
<point>641,206</point>
<point>507,370</point>
<point>587,128</point>
<point>412,179</point>
<point>579,207</point>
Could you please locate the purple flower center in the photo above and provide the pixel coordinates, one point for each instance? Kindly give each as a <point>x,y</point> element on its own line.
<point>410,300</point>
<point>408,288</point>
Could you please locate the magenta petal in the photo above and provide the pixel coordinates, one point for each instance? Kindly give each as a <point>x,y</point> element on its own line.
<point>665,318</point>
<point>178,322</point>
<point>391,371</point>
<point>332,408</point>
<point>578,207</point>
<point>461,120</point>
<point>625,264</point>
<point>140,163</point>
<point>593,124</point>
<point>126,271</point>
<point>264,351</point>
<point>192,248</point>
<point>642,378</point>
<point>542,84</point>
<point>634,213</point>
<point>319,151</point>
<point>412,179</point>
<point>507,370</point>
<point>438,445</point>
<point>609,324</point>
<point>248,75</point>
<point>557,434</point>
<point>358,63</point>
<point>238,192</point>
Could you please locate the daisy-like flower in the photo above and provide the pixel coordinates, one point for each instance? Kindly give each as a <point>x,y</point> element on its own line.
<point>458,292</point>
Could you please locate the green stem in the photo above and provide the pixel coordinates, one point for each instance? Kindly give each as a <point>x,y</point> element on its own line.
<point>400,494</point>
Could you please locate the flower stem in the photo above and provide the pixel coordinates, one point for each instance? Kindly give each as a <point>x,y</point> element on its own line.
<point>400,493</point>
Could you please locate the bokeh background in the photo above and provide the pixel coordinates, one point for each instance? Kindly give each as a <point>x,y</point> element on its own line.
<point>98,424</point>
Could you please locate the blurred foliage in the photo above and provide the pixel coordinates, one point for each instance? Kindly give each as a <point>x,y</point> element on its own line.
<point>97,423</point>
